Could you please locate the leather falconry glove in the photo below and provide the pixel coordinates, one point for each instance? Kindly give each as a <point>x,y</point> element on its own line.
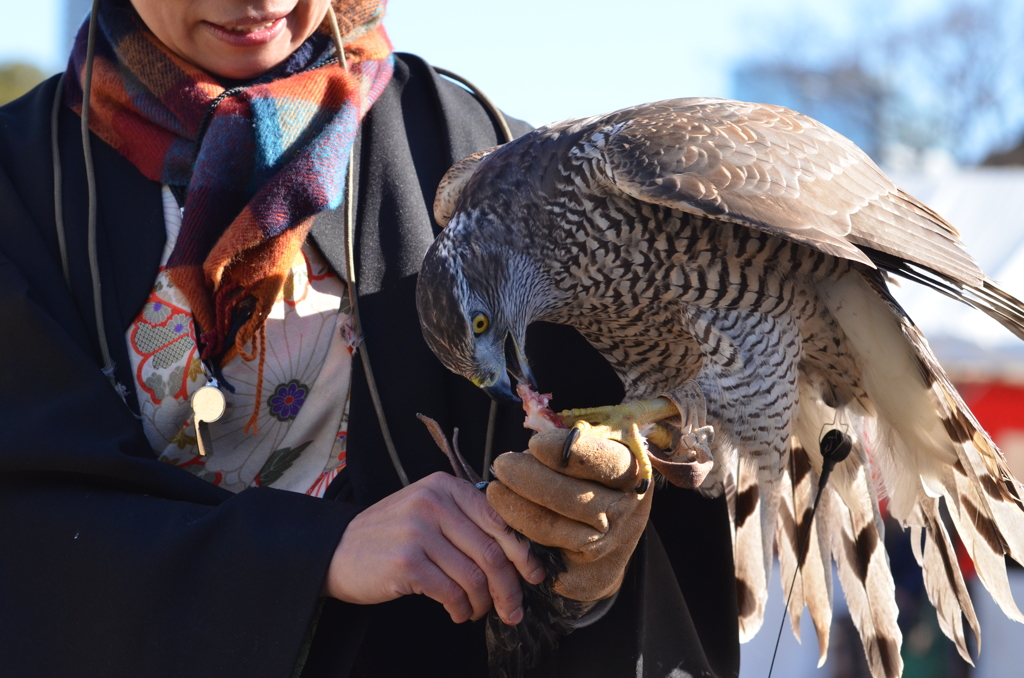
<point>588,508</point>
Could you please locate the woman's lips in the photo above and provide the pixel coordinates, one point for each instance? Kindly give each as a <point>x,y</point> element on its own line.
<point>248,35</point>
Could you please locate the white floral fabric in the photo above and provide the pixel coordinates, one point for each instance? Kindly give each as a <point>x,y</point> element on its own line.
<point>302,415</point>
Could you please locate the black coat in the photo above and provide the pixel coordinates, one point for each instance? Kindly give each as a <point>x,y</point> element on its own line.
<point>115,564</point>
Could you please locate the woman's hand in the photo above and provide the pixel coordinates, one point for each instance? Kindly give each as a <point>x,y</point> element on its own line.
<point>438,537</point>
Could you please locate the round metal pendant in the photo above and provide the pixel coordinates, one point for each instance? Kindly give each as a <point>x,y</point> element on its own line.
<point>208,404</point>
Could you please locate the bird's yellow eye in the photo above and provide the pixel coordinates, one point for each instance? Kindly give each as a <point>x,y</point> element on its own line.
<point>480,323</point>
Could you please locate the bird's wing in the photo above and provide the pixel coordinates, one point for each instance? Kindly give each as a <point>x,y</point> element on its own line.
<point>773,169</point>
<point>452,183</point>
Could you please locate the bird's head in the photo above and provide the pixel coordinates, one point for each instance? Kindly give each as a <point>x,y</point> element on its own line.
<point>475,298</point>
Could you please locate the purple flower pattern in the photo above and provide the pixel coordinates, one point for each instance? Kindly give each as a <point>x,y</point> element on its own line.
<point>287,399</point>
<point>156,311</point>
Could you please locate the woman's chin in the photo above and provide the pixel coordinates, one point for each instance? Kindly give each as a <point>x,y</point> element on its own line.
<point>246,65</point>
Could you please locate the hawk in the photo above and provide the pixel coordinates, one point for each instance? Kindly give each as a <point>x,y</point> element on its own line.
<point>738,254</point>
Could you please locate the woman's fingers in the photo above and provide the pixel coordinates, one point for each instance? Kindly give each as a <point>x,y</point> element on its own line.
<point>438,537</point>
<point>494,572</point>
<point>473,582</point>
<point>430,579</point>
<point>476,507</point>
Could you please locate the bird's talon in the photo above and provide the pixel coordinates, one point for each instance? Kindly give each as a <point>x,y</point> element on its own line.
<point>574,434</point>
<point>620,423</point>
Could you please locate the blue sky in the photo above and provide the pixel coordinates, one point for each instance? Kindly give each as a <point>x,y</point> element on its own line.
<point>543,60</point>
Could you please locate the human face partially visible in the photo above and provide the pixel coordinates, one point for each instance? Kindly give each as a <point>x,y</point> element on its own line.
<point>236,39</point>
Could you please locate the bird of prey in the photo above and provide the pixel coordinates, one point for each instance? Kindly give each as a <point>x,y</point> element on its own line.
<point>739,253</point>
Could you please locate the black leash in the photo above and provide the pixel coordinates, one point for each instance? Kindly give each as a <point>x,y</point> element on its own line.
<point>835,447</point>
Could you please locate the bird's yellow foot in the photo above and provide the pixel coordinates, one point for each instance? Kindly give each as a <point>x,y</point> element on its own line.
<point>622,423</point>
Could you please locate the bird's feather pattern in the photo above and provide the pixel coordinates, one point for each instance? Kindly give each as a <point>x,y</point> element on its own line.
<point>452,183</point>
<point>751,573</point>
<point>943,579</point>
<point>930,445</point>
<point>743,247</point>
<point>812,553</point>
<point>866,581</point>
<point>981,494</point>
<point>849,513</point>
<point>774,169</point>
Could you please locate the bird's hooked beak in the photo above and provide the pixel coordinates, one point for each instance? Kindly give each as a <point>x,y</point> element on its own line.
<point>499,385</point>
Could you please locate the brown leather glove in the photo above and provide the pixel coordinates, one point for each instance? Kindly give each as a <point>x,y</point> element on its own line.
<point>589,509</point>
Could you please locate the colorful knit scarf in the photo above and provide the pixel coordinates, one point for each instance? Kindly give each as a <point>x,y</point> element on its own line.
<point>256,161</point>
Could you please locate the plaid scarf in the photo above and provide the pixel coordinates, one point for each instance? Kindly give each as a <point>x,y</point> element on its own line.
<point>256,161</point>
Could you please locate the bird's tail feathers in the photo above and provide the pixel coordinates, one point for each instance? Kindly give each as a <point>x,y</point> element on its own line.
<point>812,587</point>
<point>749,550</point>
<point>855,539</point>
<point>982,496</point>
<point>867,583</point>
<point>914,441</point>
<point>988,297</point>
<point>547,617</point>
<point>847,528</point>
<point>990,524</point>
<point>924,443</point>
<point>943,580</point>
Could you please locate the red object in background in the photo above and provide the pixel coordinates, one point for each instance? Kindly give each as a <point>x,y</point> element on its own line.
<point>998,407</point>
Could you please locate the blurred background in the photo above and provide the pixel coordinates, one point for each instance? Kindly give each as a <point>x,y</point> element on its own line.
<point>933,90</point>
